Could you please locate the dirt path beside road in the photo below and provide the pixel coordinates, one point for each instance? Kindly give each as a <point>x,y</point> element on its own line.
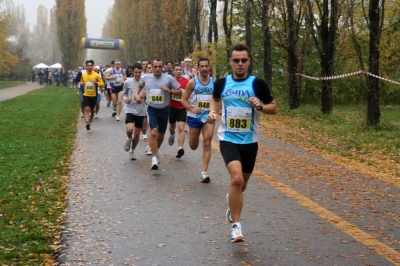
<point>9,93</point>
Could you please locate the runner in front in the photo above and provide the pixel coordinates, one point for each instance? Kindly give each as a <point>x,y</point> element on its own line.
<point>241,96</point>
<point>196,100</point>
<point>159,88</point>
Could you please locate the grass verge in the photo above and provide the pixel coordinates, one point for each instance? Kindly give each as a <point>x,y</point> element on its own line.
<point>342,137</point>
<point>9,84</point>
<point>38,131</point>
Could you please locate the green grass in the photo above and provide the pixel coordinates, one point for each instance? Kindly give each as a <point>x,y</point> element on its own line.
<point>346,127</point>
<point>38,130</point>
<point>9,84</point>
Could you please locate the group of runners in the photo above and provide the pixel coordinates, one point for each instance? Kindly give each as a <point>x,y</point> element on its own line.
<point>157,94</point>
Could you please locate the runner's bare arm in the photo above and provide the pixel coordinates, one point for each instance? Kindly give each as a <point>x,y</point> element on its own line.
<point>186,95</point>
<point>125,94</point>
<point>137,97</point>
<point>215,106</point>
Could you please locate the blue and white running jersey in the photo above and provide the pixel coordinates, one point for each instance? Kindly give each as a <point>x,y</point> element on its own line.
<point>201,97</point>
<point>240,121</point>
<point>118,81</point>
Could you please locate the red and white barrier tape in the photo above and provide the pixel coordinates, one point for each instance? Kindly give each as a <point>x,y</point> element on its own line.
<point>348,75</point>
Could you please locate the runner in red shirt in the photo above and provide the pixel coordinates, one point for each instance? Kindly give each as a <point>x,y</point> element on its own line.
<point>178,113</point>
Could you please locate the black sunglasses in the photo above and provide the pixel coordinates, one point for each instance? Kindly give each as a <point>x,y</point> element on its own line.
<point>238,60</point>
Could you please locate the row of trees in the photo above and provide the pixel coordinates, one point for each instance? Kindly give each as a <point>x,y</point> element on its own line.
<point>31,46</point>
<point>316,37</point>
<point>54,38</point>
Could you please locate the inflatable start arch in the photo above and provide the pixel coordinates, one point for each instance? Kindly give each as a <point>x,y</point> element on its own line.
<point>104,44</point>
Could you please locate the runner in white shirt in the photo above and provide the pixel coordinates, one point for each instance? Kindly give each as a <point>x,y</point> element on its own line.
<point>116,76</point>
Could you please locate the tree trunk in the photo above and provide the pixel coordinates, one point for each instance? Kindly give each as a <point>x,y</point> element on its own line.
<point>248,32</point>
<point>213,28</point>
<point>294,95</point>
<point>267,44</point>
<point>327,31</point>
<point>227,27</point>
<point>328,35</point>
<point>373,113</point>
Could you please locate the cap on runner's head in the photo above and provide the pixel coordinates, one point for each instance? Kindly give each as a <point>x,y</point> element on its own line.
<point>187,59</point>
<point>96,69</point>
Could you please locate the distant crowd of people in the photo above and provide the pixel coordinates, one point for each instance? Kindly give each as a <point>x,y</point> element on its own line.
<point>61,77</point>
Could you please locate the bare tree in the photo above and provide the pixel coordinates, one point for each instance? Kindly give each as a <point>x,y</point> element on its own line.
<point>325,44</point>
<point>376,20</point>
<point>248,31</point>
<point>227,16</point>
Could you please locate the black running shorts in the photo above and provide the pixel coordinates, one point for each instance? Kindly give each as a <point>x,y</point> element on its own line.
<point>137,120</point>
<point>89,101</point>
<point>177,115</point>
<point>244,153</point>
<point>116,90</point>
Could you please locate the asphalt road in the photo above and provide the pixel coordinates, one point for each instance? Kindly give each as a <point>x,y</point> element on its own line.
<point>299,209</point>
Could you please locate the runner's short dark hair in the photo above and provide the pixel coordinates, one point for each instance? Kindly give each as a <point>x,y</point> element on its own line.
<point>239,47</point>
<point>203,59</point>
<point>156,59</point>
<point>89,61</point>
<point>137,65</point>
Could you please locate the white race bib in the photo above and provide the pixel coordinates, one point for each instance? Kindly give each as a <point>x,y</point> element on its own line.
<point>156,96</point>
<point>176,97</point>
<point>238,119</point>
<point>118,81</point>
<point>203,102</point>
<point>89,86</point>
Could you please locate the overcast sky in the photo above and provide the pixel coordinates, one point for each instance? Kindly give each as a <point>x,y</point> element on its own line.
<point>96,11</point>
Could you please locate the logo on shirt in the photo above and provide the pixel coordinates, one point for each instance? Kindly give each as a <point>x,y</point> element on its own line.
<point>204,90</point>
<point>242,95</point>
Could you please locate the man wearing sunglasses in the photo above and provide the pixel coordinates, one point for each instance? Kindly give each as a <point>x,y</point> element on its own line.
<point>243,97</point>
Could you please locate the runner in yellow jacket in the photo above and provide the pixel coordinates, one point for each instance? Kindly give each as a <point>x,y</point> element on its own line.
<point>90,80</point>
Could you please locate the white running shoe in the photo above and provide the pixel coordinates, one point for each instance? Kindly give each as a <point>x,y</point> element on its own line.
<point>148,150</point>
<point>132,156</point>
<point>144,136</point>
<point>154,164</point>
<point>228,211</point>
<point>117,118</point>
<point>205,178</point>
<point>127,145</point>
<point>236,234</point>
<point>95,116</point>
